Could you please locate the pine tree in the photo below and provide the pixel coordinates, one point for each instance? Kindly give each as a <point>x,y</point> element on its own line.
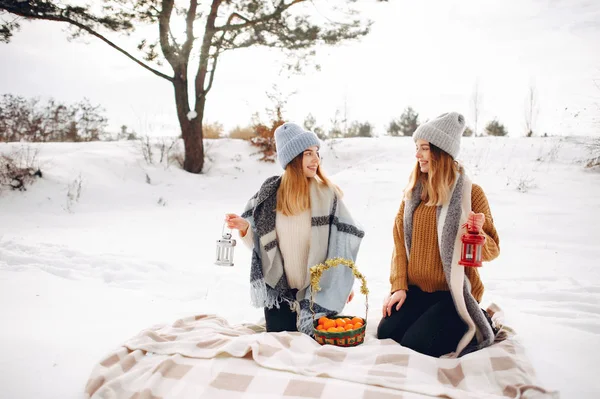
<point>409,122</point>
<point>495,128</point>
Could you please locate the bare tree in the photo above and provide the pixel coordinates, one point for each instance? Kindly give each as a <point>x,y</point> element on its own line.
<point>336,130</point>
<point>594,147</point>
<point>226,25</point>
<point>531,109</point>
<point>476,99</point>
<point>345,120</point>
<point>597,84</point>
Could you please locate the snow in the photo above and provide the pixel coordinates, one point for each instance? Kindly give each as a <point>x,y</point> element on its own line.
<point>81,274</point>
<point>191,115</point>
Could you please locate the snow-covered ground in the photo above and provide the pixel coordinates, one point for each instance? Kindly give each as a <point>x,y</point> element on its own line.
<point>80,275</point>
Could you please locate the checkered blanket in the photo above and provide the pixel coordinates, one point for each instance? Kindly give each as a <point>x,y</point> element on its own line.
<point>205,357</point>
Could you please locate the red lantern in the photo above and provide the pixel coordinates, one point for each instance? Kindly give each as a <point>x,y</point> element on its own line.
<point>472,248</point>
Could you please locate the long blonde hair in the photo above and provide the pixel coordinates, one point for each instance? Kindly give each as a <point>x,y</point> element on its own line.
<point>438,181</point>
<point>293,195</point>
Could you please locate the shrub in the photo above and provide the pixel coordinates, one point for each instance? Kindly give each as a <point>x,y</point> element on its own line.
<point>405,125</point>
<point>19,168</point>
<point>242,133</point>
<point>359,129</point>
<point>265,136</point>
<point>212,130</point>
<point>495,128</point>
<point>34,121</point>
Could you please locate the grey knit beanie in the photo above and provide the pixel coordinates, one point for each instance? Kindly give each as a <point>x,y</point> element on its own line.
<point>443,132</point>
<point>291,140</point>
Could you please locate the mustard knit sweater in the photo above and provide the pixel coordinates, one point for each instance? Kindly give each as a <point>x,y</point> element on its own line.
<point>424,268</point>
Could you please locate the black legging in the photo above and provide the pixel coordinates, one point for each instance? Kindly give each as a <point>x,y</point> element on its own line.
<point>282,319</point>
<point>427,323</point>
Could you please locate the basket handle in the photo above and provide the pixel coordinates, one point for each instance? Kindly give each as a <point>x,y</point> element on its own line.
<point>316,272</point>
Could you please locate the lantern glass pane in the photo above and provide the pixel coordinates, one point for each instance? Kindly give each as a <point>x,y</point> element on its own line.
<point>469,254</point>
<point>478,255</point>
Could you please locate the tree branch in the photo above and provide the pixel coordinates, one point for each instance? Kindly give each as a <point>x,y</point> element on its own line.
<point>62,18</point>
<point>175,44</point>
<point>212,72</point>
<point>189,29</point>
<point>281,7</point>
<point>218,50</point>
<point>164,22</point>
<point>209,32</point>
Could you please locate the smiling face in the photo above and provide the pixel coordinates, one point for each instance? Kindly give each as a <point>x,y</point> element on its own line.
<point>310,161</point>
<point>423,155</point>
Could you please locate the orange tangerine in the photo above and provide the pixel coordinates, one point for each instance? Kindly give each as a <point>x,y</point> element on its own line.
<point>322,320</point>
<point>332,329</point>
<point>340,329</point>
<point>347,320</point>
<point>348,327</point>
<point>340,322</point>
<point>358,325</point>
<point>357,320</point>
<point>320,327</point>
<point>328,324</point>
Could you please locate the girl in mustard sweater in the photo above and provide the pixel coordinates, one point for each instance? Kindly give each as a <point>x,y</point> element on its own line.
<point>433,305</point>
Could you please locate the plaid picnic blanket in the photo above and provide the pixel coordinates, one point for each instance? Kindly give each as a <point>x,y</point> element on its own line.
<point>204,357</point>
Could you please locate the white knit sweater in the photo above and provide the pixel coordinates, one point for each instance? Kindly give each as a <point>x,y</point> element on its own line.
<point>293,237</point>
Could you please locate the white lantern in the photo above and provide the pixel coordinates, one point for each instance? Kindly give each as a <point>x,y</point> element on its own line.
<point>225,247</point>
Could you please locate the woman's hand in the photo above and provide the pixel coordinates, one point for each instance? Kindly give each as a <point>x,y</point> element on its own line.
<point>397,297</point>
<point>475,221</point>
<point>236,222</point>
<point>350,297</point>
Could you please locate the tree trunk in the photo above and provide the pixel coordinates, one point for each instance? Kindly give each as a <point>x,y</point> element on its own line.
<point>191,130</point>
<point>194,147</point>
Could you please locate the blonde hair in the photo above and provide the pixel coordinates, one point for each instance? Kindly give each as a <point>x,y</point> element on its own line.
<point>293,194</point>
<point>438,181</point>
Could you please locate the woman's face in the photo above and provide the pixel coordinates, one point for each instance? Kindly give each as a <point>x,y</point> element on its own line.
<point>423,155</point>
<point>310,161</point>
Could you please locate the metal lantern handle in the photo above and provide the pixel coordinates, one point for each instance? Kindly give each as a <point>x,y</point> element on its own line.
<point>223,229</point>
<point>317,271</point>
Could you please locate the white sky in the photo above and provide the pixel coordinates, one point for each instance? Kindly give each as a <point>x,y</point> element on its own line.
<point>427,54</point>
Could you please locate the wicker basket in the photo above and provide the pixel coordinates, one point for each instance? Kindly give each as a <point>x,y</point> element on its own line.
<point>343,338</point>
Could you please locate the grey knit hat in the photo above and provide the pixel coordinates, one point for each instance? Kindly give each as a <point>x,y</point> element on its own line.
<point>291,140</point>
<point>443,132</point>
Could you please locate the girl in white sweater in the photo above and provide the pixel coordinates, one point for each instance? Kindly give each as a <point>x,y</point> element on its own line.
<point>293,222</point>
